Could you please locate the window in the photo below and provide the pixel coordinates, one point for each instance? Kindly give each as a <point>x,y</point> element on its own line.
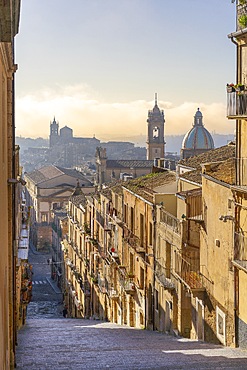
<point>221,325</point>
<point>150,233</point>
<point>156,132</point>
<point>132,225</point>
<point>125,214</point>
<point>44,217</point>
<point>131,265</point>
<point>156,299</point>
<point>141,278</point>
<point>141,229</point>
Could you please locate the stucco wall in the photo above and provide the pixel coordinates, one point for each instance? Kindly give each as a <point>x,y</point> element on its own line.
<point>242,322</point>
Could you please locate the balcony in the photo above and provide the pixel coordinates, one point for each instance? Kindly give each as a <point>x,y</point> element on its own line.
<point>163,275</point>
<point>237,105</point>
<point>133,240</point>
<point>113,294</point>
<point>129,287</point>
<point>187,274</point>
<point>240,248</point>
<point>170,220</point>
<point>101,284</point>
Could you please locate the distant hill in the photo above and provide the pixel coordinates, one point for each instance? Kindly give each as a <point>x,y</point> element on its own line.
<point>27,142</point>
<point>174,142</point>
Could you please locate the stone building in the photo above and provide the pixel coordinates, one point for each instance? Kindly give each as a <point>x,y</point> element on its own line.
<point>110,170</point>
<point>155,137</point>
<point>236,210</point>
<point>167,251</point>
<point>9,26</point>
<point>197,140</point>
<point>48,189</point>
<point>67,150</point>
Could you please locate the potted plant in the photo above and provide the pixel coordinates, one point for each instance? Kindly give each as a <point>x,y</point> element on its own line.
<point>230,88</point>
<point>242,2</point>
<point>242,20</point>
<point>239,87</point>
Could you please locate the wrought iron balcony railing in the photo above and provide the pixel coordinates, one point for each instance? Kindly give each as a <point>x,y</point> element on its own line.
<point>237,105</point>
<point>170,220</point>
<point>187,273</point>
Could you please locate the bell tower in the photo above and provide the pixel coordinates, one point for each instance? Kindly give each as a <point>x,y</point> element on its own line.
<point>54,136</point>
<point>155,139</point>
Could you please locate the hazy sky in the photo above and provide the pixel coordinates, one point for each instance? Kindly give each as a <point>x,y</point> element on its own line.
<point>96,64</point>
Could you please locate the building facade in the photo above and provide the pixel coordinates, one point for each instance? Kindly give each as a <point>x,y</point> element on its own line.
<point>48,189</point>
<point>9,25</point>
<point>237,111</point>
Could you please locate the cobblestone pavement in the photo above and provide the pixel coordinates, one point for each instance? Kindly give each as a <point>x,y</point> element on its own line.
<point>88,344</point>
<point>49,341</point>
<point>46,297</point>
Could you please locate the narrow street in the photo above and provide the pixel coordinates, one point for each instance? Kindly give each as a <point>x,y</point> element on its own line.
<point>49,341</point>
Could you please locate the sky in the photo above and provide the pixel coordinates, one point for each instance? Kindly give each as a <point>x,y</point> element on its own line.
<point>95,65</point>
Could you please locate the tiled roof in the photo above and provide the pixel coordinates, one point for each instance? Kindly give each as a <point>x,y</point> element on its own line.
<point>193,176</point>
<point>50,172</point>
<point>214,155</point>
<point>190,193</point>
<point>145,185</point>
<point>223,171</point>
<point>131,163</point>
<point>79,199</point>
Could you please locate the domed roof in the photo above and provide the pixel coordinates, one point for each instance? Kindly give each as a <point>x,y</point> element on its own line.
<point>198,137</point>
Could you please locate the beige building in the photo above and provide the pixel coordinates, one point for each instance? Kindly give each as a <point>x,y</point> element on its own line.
<point>237,110</point>
<point>111,170</point>
<point>48,189</point>
<point>9,23</point>
<point>167,251</point>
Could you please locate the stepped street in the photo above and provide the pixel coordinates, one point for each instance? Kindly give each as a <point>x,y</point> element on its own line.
<point>50,341</point>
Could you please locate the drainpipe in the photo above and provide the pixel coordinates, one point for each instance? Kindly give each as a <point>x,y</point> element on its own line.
<point>236,275</point>
<point>154,254</point>
<point>145,258</point>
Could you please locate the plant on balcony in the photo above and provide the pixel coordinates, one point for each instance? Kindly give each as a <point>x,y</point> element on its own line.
<point>235,88</point>
<point>242,20</point>
<point>242,2</point>
<point>230,88</point>
<point>87,229</point>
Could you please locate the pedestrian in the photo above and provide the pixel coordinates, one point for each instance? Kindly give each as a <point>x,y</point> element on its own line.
<point>65,312</point>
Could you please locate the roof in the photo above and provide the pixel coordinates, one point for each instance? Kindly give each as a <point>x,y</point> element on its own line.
<point>51,172</point>
<point>129,163</point>
<point>190,193</point>
<point>78,199</point>
<point>145,185</point>
<point>223,171</point>
<point>193,176</point>
<point>214,155</point>
<point>198,138</point>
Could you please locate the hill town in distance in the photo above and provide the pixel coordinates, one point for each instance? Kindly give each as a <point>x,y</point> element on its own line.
<point>123,254</point>
<point>79,152</point>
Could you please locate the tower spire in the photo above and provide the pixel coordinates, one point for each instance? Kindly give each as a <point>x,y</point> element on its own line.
<point>155,98</point>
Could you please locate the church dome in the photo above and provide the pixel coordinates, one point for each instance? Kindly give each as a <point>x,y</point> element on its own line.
<point>198,137</point>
